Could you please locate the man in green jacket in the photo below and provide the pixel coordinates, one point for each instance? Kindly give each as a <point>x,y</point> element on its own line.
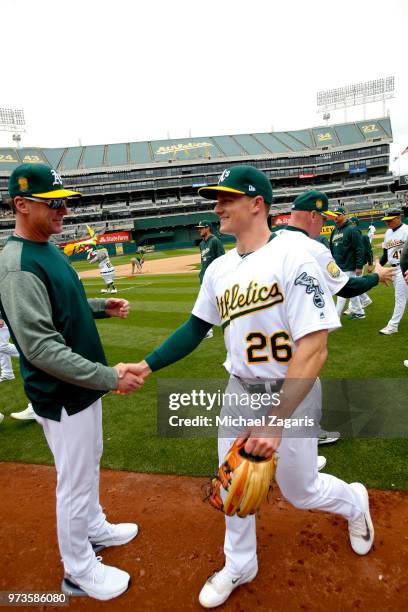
<point>65,371</point>
<point>347,249</point>
<point>210,249</point>
<point>368,260</point>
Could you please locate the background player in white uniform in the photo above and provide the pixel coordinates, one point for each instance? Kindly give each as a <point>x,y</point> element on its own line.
<point>106,269</point>
<point>371,232</point>
<point>394,240</point>
<point>276,311</point>
<point>7,351</point>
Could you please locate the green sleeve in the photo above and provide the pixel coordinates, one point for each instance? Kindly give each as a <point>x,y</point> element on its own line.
<point>181,343</point>
<point>357,285</point>
<point>404,258</point>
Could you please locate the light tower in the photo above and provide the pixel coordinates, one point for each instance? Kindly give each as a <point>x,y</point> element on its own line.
<point>12,121</point>
<point>364,93</point>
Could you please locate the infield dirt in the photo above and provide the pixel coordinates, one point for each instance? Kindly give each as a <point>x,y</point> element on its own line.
<point>305,560</point>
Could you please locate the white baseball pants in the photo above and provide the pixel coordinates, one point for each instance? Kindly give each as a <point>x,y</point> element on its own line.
<point>401,298</point>
<point>76,443</point>
<point>300,483</point>
<point>7,350</point>
<point>355,303</point>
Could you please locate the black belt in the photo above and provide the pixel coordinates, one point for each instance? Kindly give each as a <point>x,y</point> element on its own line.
<point>267,386</point>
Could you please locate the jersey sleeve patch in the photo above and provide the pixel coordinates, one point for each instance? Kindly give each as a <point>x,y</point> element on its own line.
<point>312,286</point>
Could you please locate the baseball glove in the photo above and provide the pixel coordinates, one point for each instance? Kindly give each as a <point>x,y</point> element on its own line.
<point>247,480</point>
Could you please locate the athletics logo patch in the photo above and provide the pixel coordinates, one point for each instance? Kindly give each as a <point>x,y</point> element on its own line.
<point>312,286</point>
<point>333,269</point>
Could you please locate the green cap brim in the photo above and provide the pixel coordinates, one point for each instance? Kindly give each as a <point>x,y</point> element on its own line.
<point>55,195</point>
<point>208,192</point>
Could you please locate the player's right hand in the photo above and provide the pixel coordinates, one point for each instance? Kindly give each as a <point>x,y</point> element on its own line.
<point>128,382</point>
<point>386,274</point>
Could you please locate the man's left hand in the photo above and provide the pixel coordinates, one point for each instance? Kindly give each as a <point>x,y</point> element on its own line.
<point>117,308</point>
<point>359,272</point>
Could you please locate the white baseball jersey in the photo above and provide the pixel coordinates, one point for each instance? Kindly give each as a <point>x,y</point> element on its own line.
<point>265,302</point>
<point>371,231</point>
<point>334,277</point>
<point>394,242</point>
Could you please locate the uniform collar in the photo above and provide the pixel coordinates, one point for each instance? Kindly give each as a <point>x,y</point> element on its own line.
<point>292,228</point>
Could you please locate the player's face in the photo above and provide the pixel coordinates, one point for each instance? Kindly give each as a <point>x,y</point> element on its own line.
<point>340,219</point>
<point>234,212</point>
<point>316,223</point>
<point>43,220</point>
<point>393,223</point>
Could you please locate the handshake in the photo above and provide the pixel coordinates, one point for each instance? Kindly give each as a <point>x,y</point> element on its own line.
<point>131,376</point>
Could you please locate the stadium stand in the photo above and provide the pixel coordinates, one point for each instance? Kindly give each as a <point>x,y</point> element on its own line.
<point>124,183</point>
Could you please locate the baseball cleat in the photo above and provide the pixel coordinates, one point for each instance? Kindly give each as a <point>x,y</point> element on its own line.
<point>209,334</point>
<point>114,291</point>
<point>356,315</point>
<point>25,415</point>
<point>4,377</point>
<point>361,530</point>
<point>115,535</point>
<point>1,417</point>
<point>406,363</point>
<point>387,330</point>
<point>347,312</point>
<point>220,585</point>
<point>103,582</point>
<point>321,462</point>
<point>328,437</point>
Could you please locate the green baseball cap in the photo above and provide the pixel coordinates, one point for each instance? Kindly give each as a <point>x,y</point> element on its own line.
<point>37,180</point>
<point>339,210</point>
<point>203,223</point>
<point>244,180</point>
<point>311,200</point>
<point>355,220</point>
<point>392,213</point>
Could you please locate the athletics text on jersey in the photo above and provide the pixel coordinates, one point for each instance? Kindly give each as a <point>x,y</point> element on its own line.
<point>265,303</point>
<point>394,243</point>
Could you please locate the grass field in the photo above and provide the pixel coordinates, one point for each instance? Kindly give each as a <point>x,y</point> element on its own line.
<point>159,305</point>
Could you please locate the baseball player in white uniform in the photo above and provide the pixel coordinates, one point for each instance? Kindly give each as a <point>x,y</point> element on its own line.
<point>371,232</point>
<point>394,240</point>
<point>106,269</point>
<point>275,309</point>
<point>7,351</point>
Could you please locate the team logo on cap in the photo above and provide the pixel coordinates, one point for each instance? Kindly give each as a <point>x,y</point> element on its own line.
<point>319,204</point>
<point>57,178</point>
<point>333,269</point>
<point>223,176</point>
<point>23,183</point>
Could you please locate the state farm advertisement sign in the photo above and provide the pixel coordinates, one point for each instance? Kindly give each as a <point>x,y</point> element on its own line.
<point>114,237</point>
<point>281,220</point>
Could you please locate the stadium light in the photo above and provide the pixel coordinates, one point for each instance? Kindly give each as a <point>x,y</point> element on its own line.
<point>363,93</point>
<point>12,120</point>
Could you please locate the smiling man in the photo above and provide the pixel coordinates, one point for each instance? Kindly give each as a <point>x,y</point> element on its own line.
<point>275,310</point>
<point>65,371</point>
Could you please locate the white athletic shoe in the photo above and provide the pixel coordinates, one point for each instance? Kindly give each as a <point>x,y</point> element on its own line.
<point>115,535</point>
<point>1,417</point>
<point>321,462</point>
<point>327,437</point>
<point>406,363</point>
<point>25,415</point>
<point>361,530</point>
<point>387,330</point>
<point>220,585</point>
<point>4,377</point>
<point>104,291</point>
<point>209,334</point>
<point>347,312</point>
<point>103,581</point>
<point>114,290</point>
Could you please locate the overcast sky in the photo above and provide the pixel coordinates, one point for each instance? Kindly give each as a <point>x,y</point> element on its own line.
<point>104,71</point>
